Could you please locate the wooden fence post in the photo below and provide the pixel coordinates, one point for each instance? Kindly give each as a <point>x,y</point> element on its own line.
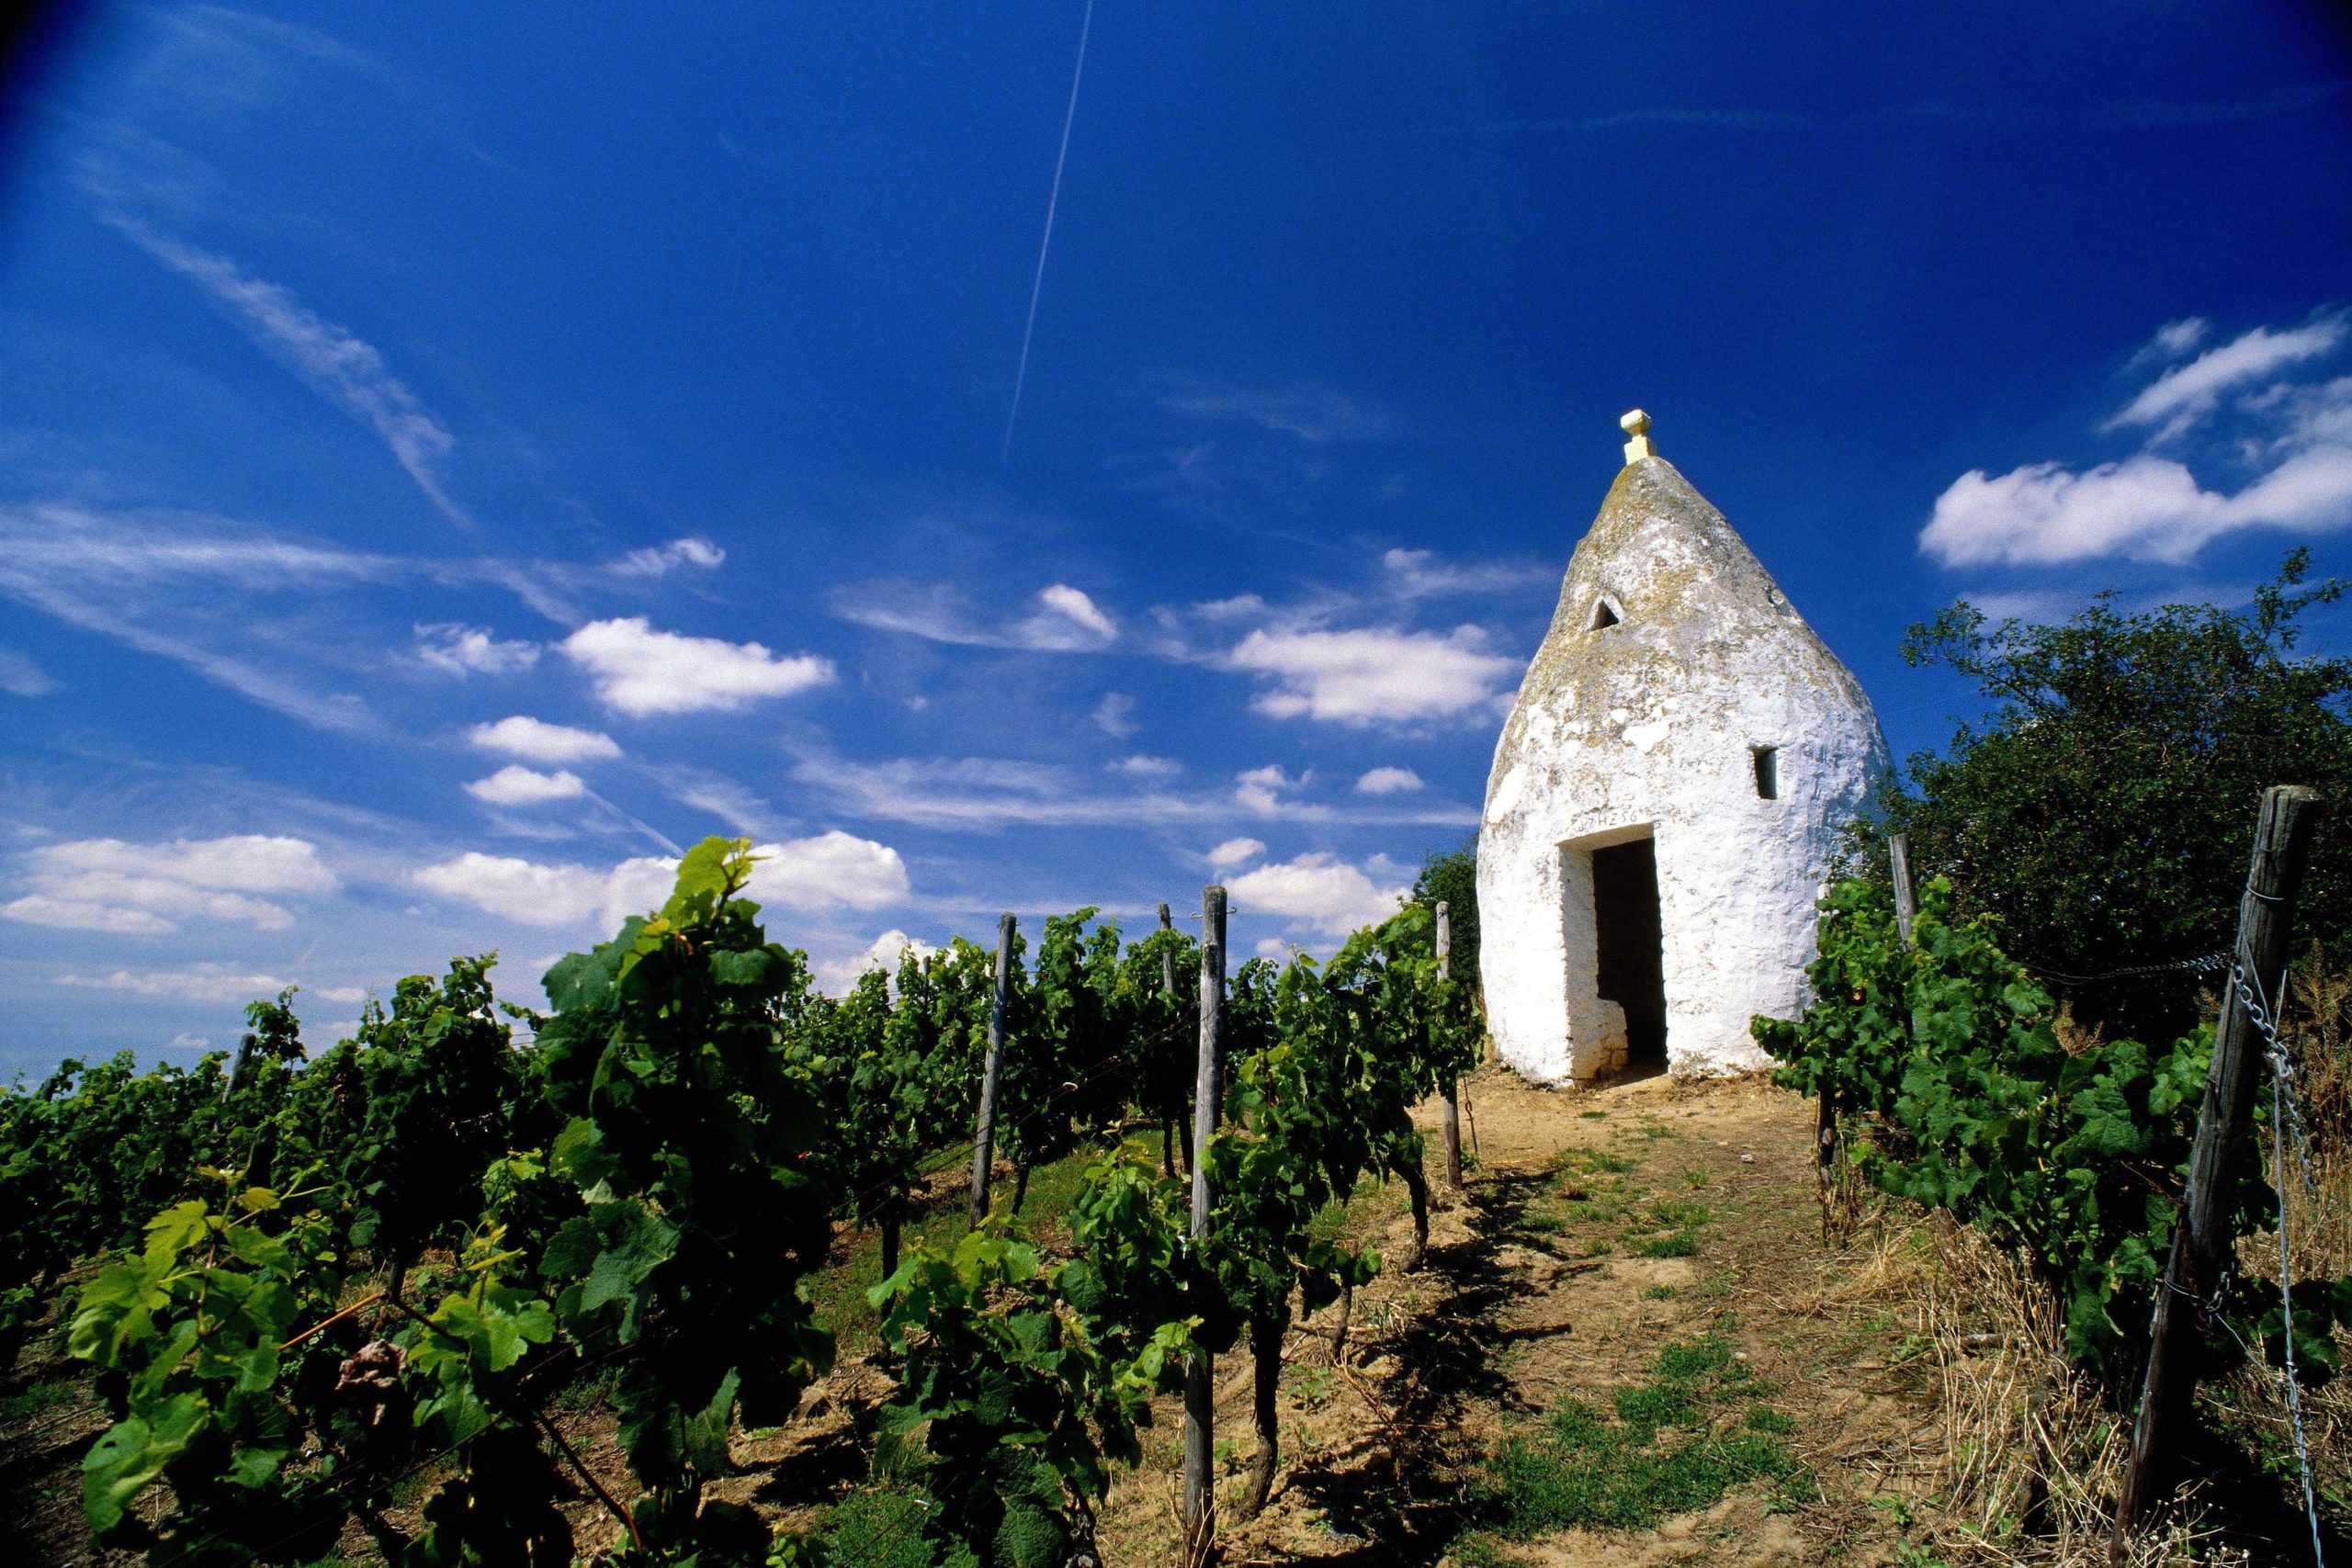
<point>2202,1243</point>
<point>984,1130</point>
<point>1453,1107</point>
<point>1907,903</point>
<point>1200,1386</point>
<point>1167,959</point>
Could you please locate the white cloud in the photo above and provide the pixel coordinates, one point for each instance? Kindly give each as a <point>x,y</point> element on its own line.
<point>464,650</point>
<point>1375,676</point>
<point>660,561</point>
<point>1275,948</point>
<point>1239,607</point>
<point>523,736</point>
<point>1313,414</point>
<point>192,591</point>
<point>1115,714</point>
<point>635,886</point>
<point>1143,767</point>
<point>1067,618</point>
<point>828,871</point>
<point>2145,508</point>
<point>202,983</point>
<point>2171,340</point>
<point>2297,439</point>
<point>2184,395</point>
<point>832,870</point>
<point>1063,620</point>
<point>538,894</point>
<point>332,363</point>
<point>1315,892</point>
<point>638,670</point>
<point>106,885</point>
<point>1418,574</point>
<point>988,794</point>
<point>837,975</point>
<point>1388,781</point>
<point>20,677</point>
<point>1260,789</point>
<point>1235,852</point>
<point>514,785</point>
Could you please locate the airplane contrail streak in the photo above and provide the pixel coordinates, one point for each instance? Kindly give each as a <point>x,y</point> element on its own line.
<point>1037,284</point>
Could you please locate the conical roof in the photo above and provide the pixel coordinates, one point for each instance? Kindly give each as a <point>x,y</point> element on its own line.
<point>1685,599</point>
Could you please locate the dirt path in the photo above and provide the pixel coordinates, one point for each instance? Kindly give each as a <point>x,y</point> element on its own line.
<point>1600,1230</point>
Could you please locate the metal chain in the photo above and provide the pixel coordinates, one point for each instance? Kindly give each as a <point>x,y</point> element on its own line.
<point>2206,964</point>
<point>2286,1126</point>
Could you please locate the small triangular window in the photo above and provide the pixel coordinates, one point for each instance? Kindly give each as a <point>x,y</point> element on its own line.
<point>1605,614</point>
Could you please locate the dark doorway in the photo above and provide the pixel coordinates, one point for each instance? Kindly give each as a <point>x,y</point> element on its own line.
<point>1631,947</point>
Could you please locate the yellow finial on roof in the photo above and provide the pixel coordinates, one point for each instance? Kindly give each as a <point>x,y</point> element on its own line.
<point>1638,425</point>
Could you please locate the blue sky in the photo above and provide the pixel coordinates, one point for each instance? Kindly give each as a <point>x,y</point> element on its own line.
<point>452,456</point>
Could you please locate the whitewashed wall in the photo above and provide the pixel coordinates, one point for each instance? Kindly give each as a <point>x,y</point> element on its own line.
<point>1651,723</point>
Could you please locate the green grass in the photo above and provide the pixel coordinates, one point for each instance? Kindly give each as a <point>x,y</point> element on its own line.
<point>1659,1293</point>
<point>1482,1548</point>
<point>1591,1162</point>
<point>1680,1221</point>
<point>31,1400</point>
<point>1661,1454</point>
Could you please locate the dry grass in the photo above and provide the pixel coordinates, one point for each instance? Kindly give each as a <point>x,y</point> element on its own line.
<point>2033,1455</point>
<point>2317,1016</point>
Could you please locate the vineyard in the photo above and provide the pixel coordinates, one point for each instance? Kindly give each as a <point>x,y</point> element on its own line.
<point>695,1269</point>
<point>334,1276</point>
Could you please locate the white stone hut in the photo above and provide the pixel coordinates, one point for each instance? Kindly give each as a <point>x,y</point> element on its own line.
<point>1666,799</point>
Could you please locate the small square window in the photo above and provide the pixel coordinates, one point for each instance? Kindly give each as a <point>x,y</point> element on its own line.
<point>1768,772</point>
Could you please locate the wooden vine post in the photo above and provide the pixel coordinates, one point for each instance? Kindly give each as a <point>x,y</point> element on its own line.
<point>1200,1385</point>
<point>984,1129</point>
<point>1176,1129</point>
<point>1907,902</point>
<point>2219,1159</point>
<point>1451,1091</point>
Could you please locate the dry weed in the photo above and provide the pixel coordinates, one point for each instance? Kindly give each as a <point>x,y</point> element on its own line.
<point>2317,1015</point>
<point>2032,1455</point>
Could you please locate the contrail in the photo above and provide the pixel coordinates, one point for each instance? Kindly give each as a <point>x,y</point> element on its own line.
<point>1037,284</point>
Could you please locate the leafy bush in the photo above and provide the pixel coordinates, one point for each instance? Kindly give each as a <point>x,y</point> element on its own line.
<point>686,1141</point>
<point>1943,1054</point>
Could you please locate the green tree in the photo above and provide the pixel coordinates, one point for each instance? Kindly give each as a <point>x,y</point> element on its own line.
<point>2100,807</point>
<point>1450,876</point>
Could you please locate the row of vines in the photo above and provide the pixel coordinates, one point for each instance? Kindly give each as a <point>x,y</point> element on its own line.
<point>1948,1077</point>
<point>310,1285</point>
